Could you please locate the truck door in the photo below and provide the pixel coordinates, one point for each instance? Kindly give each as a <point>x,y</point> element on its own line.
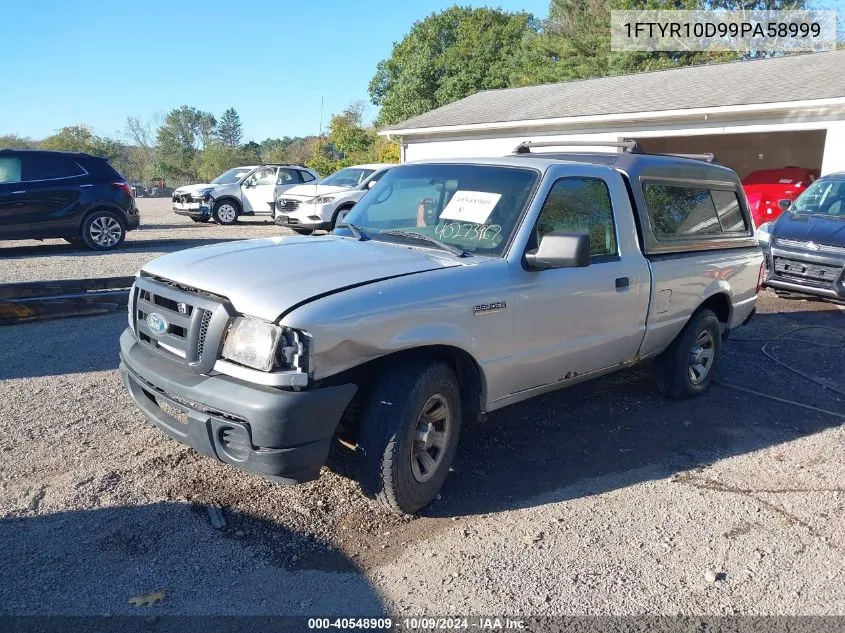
<point>574,321</point>
<point>257,191</point>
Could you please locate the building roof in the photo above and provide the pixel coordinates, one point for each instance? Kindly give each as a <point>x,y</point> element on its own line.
<point>774,80</point>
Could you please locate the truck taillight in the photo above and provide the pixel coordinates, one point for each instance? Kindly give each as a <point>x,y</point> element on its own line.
<point>123,186</point>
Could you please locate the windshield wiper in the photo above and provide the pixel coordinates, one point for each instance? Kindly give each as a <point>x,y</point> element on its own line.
<point>356,231</point>
<point>425,238</point>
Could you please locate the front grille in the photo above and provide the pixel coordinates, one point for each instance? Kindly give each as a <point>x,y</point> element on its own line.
<point>179,323</point>
<point>286,205</point>
<point>812,246</point>
<point>824,274</point>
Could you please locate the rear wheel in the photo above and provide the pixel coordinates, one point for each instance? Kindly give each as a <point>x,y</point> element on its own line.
<point>409,434</point>
<point>225,212</point>
<point>685,368</point>
<point>103,230</point>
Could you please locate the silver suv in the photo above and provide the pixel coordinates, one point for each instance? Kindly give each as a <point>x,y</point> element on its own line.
<point>453,289</point>
<point>249,190</point>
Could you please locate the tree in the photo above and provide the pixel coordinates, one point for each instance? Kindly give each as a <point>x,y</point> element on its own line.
<point>229,128</point>
<point>216,158</point>
<point>81,138</point>
<point>141,137</point>
<point>448,56</point>
<point>184,133</point>
<point>14,141</point>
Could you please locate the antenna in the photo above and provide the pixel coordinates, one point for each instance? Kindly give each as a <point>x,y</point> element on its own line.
<point>320,132</point>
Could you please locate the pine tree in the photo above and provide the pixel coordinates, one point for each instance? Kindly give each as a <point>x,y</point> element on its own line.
<point>229,128</point>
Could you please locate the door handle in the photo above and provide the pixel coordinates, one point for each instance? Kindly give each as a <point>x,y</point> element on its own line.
<point>16,193</point>
<point>623,282</point>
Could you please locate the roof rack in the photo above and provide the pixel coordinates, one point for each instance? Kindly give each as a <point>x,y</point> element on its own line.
<point>629,145</point>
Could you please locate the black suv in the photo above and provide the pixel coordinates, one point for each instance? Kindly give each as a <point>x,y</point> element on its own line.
<point>70,195</point>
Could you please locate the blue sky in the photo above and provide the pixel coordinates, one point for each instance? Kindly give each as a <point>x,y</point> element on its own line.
<point>97,62</point>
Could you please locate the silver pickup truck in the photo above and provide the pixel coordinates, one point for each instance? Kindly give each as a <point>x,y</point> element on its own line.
<point>453,289</point>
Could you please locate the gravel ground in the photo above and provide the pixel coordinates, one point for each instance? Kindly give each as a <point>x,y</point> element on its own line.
<point>161,231</point>
<point>602,499</point>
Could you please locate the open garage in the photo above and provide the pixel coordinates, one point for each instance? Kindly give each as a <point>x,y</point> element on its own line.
<point>753,115</point>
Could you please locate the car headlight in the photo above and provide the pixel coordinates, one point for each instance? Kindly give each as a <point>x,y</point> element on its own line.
<point>204,192</point>
<point>322,199</point>
<point>252,343</point>
<point>762,233</point>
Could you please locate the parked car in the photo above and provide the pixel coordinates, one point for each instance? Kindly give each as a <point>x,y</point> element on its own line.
<point>805,246</point>
<point>770,191</point>
<point>530,273</point>
<point>248,190</point>
<point>139,190</point>
<point>51,194</point>
<point>322,205</point>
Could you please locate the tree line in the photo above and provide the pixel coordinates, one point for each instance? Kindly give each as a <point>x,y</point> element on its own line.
<point>188,144</point>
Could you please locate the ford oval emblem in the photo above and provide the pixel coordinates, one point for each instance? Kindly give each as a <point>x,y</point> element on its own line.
<point>157,323</point>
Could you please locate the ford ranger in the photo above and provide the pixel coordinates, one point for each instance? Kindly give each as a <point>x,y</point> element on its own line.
<point>453,288</point>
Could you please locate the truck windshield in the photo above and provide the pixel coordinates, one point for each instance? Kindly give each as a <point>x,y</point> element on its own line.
<point>232,176</point>
<point>475,208</point>
<point>823,197</point>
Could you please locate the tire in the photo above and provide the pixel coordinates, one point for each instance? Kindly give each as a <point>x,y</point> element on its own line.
<point>391,469</point>
<point>225,212</point>
<point>337,214</point>
<point>678,373</point>
<point>103,231</point>
<point>201,220</point>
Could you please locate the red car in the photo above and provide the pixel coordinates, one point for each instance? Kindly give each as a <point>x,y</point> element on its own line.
<point>767,188</point>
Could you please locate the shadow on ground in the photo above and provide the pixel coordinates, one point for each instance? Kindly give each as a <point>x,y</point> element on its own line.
<point>92,562</point>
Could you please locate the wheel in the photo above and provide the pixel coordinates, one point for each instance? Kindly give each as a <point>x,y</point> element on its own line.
<point>408,434</point>
<point>685,368</point>
<point>225,212</point>
<point>338,217</point>
<point>201,220</point>
<point>103,230</point>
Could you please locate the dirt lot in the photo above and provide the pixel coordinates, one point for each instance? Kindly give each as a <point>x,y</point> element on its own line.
<point>161,231</point>
<point>602,499</point>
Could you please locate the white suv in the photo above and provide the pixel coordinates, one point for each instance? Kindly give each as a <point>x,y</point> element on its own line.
<point>248,190</point>
<point>323,205</point>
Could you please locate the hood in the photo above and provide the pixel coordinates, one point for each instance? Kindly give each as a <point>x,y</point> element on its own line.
<point>267,277</point>
<point>192,188</point>
<point>306,192</point>
<point>828,230</point>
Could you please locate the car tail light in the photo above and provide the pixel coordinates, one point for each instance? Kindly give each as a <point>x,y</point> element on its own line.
<point>761,276</point>
<point>123,186</point>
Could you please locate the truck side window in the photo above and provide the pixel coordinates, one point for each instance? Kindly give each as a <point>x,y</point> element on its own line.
<point>678,211</point>
<point>729,211</point>
<point>580,205</point>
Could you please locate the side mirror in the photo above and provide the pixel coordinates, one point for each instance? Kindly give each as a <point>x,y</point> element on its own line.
<point>784,204</point>
<point>371,183</point>
<point>560,250</point>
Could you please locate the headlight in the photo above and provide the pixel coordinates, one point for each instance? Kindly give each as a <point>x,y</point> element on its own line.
<point>762,233</point>
<point>252,343</point>
<point>204,192</point>
<point>322,199</point>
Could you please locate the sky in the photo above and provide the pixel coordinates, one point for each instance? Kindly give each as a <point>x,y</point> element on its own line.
<point>96,62</point>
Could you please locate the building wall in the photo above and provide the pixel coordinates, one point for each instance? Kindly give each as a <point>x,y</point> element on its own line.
<point>812,142</point>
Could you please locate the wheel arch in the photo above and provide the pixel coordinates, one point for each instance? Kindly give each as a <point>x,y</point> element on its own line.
<point>720,303</point>
<point>471,380</point>
<point>102,206</point>
<point>229,198</point>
